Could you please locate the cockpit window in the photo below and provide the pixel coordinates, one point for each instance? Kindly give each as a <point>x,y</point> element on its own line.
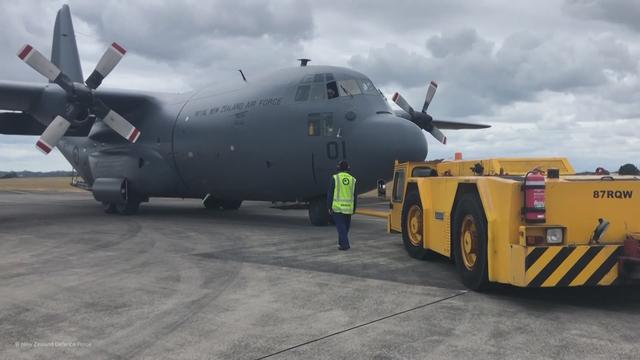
<point>348,88</point>
<point>367,87</point>
<point>302,93</point>
<point>316,78</point>
<point>332,90</point>
<point>317,92</point>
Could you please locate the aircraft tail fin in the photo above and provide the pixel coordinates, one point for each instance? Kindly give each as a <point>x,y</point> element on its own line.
<point>64,51</point>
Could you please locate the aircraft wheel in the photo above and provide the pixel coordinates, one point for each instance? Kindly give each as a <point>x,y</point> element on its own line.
<point>470,242</point>
<point>109,208</point>
<point>413,226</point>
<point>129,208</point>
<point>212,204</point>
<point>318,213</point>
<point>231,204</point>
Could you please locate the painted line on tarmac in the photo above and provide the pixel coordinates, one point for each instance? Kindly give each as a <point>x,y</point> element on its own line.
<point>362,325</point>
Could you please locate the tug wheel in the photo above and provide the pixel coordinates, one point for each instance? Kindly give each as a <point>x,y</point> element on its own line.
<point>413,226</point>
<point>470,242</point>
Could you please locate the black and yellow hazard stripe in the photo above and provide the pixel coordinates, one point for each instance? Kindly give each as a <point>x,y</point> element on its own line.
<point>587,265</point>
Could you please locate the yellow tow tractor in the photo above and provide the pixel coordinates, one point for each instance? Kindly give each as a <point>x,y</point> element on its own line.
<point>529,222</point>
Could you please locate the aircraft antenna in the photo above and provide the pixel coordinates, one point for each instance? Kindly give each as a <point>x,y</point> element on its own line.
<point>243,77</point>
<point>304,62</point>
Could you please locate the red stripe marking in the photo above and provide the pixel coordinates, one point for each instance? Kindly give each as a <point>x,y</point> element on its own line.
<point>134,135</point>
<point>44,147</point>
<point>395,96</point>
<point>120,49</point>
<point>434,83</point>
<point>23,54</point>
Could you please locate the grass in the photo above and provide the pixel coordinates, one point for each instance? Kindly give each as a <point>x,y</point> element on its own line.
<point>37,184</point>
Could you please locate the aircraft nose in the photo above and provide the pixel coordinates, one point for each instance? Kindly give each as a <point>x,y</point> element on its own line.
<point>397,138</point>
<point>385,138</point>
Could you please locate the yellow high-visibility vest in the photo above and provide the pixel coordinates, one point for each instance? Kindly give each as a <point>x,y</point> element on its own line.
<point>343,193</point>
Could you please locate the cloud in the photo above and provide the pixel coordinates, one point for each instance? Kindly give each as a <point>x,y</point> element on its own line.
<point>478,75</point>
<point>192,31</point>
<point>561,77</point>
<point>620,12</point>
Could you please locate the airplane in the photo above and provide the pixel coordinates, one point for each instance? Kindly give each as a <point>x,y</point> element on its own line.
<point>272,138</point>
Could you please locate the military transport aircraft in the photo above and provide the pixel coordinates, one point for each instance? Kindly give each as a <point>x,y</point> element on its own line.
<point>274,138</point>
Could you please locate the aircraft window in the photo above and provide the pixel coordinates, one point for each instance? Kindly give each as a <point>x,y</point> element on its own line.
<point>398,186</point>
<point>312,78</point>
<point>307,79</point>
<point>317,92</point>
<point>348,88</point>
<point>367,87</point>
<point>332,89</point>
<point>302,94</point>
<point>321,124</point>
<point>329,76</point>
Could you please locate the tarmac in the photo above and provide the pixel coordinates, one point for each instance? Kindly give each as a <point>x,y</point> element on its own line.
<point>177,281</point>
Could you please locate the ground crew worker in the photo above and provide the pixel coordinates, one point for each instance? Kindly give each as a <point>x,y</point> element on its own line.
<point>341,202</point>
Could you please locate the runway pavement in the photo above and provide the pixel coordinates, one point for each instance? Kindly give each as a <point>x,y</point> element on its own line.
<point>179,282</point>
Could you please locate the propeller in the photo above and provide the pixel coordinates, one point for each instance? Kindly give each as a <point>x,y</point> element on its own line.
<point>422,119</point>
<point>82,100</point>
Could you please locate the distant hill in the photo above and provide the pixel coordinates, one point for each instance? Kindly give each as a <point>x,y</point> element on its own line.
<point>28,174</point>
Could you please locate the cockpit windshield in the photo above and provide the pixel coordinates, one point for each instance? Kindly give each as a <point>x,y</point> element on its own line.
<point>315,87</point>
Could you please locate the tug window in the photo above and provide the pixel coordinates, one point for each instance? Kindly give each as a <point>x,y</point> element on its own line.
<point>398,186</point>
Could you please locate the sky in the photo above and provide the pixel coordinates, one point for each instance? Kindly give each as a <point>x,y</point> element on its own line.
<point>552,77</point>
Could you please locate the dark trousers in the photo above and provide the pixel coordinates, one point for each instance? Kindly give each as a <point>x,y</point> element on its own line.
<point>343,223</point>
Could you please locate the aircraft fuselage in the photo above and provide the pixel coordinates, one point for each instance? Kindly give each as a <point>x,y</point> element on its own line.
<point>277,138</point>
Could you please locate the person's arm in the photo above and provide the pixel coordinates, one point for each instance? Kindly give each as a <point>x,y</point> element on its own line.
<point>332,186</point>
<point>355,196</point>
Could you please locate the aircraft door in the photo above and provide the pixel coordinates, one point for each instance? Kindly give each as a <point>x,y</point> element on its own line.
<point>328,145</point>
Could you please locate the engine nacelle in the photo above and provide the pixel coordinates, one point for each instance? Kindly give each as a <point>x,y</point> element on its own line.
<point>111,190</point>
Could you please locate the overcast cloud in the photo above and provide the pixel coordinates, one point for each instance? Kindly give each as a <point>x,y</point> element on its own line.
<point>552,77</point>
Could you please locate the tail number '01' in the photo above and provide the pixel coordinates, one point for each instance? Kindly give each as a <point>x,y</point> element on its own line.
<point>612,194</point>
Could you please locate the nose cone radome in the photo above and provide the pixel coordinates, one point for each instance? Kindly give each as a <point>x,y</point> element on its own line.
<point>382,140</point>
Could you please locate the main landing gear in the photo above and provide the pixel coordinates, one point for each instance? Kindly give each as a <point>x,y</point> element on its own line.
<point>211,203</point>
<point>318,212</point>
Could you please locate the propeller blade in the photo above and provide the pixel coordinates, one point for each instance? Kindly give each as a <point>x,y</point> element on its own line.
<point>52,134</point>
<point>38,62</point>
<point>107,62</point>
<point>433,86</point>
<point>402,103</point>
<point>438,135</point>
<point>116,122</point>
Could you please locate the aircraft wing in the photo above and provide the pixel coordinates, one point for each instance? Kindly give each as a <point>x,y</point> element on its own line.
<point>455,125</point>
<point>444,124</point>
<point>18,96</point>
<point>22,99</point>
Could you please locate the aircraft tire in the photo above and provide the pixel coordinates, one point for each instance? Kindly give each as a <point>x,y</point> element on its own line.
<point>109,208</point>
<point>231,204</point>
<point>318,213</point>
<point>212,204</point>
<point>470,242</point>
<point>129,208</point>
